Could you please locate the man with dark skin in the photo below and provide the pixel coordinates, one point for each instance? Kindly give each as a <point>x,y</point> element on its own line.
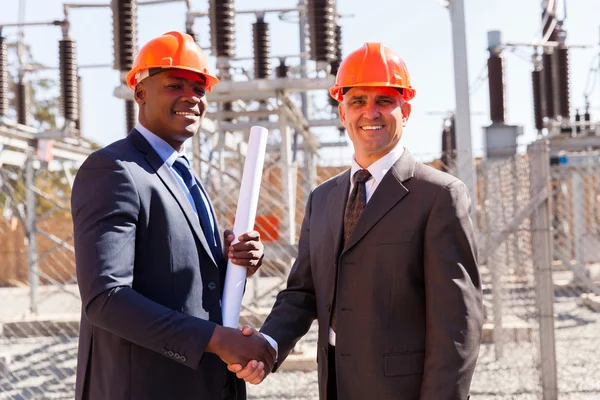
<point>150,263</point>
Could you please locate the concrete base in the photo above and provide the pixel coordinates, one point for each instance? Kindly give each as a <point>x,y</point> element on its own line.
<point>4,364</point>
<point>513,330</point>
<point>591,301</point>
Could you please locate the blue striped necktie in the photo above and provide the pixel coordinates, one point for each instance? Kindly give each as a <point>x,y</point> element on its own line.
<point>182,165</point>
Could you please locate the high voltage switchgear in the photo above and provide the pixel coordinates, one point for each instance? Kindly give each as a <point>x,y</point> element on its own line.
<point>495,66</point>
<point>538,112</point>
<point>262,49</point>
<point>282,70</point>
<point>321,22</point>
<point>3,77</point>
<point>222,28</point>
<point>69,89</point>
<point>23,102</point>
<point>548,85</point>
<point>335,64</point>
<point>125,33</point>
<point>562,66</point>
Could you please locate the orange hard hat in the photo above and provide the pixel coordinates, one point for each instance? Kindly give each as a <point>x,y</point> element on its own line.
<point>171,50</point>
<point>372,65</point>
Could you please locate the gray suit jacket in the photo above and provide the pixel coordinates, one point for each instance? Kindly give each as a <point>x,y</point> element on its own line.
<point>150,287</point>
<point>409,305</point>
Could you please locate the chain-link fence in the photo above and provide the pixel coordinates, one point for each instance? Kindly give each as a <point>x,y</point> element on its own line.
<point>540,317</point>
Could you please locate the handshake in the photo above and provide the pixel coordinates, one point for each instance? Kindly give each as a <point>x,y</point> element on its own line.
<point>246,352</point>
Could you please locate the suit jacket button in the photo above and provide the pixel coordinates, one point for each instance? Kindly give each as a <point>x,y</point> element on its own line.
<point>165,351</point>
<point>170,353</point>
<point>324,350</point>
<point>329,307</point>
<point>212,285</point>
<point>177,356</point>
<point>183,359</point>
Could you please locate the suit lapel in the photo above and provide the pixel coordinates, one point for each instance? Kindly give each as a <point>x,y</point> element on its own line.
<point>388,193</point>
<point>336,205</point>
<point>165,175</point>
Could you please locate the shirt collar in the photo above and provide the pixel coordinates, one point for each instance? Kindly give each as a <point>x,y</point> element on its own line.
<point>164,150</point>
<point>380,167</point>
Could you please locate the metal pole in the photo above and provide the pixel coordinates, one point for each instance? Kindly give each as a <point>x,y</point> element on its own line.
<point>578,210</point>
<point>287,182</point>
<point>32,256</point>
<point>542,258</point>
<point>464,157</point>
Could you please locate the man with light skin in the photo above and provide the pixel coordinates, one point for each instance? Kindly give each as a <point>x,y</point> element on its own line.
<point>387,259</point>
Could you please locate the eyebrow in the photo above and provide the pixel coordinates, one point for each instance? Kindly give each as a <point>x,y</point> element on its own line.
<point>380,96</point>
<point>182,79</point>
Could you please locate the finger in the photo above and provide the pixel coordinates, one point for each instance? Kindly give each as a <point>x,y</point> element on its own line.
<point>252,245</point>
<point>247,330</point>
<point>258,371</point>
<point>248,370</point>
<point>247,236</point>
<point>258,379</point>
<point>234,367</point>
<point>228,237</point>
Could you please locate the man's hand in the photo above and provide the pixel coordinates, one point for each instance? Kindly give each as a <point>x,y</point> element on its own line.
<point>254,372</point>
<point>235,347</point>
<point>248,252</point>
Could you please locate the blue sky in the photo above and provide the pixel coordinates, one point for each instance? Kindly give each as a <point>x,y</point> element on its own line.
<point>418,30</point>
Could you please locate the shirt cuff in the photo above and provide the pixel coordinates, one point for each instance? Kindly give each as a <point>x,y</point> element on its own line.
<point>272,342</point>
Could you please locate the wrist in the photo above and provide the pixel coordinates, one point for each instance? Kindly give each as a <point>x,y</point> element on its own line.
<point>214,344</point>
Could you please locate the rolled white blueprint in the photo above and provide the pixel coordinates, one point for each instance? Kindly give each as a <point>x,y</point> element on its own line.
<point>235,278</point>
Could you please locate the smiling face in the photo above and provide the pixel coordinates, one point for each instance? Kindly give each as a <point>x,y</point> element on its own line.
<point>172,104</point>
<point>374,118</point>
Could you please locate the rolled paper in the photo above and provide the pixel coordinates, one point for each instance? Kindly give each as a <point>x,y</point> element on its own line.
<point>235,278</point>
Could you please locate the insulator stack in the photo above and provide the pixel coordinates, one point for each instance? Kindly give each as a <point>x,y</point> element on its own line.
<point>547,73</point>
<point>222,28</point>
<point>538,105</point>
<point>130,115</point>
<point>448,145</point>
<point>125,31</point>
<point>496,86</point>
<point>577,120</point>
<point>335,64</point>
<point>79,103</point>
<point>321,23</point>
<point>227,107</point>
<point>23,101</point>
<point>282,70</point>
<point>3,77</point>
<point>564,103</point>
<point>69,91</point>
<point>262,49</point>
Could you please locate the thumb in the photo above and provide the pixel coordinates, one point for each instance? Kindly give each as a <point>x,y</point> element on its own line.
<point>228,237</point>
<point>247,330</point>
<point>234,368</point>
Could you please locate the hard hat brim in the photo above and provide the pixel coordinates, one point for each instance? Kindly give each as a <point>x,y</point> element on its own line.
<point>211,80</point>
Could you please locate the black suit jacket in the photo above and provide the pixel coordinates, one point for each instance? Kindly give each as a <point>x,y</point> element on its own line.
<point>150,287</point>
<point>409,305</point>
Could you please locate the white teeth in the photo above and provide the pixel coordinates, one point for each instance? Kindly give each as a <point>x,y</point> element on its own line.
<point>372,128</point>
<point>184,113</point>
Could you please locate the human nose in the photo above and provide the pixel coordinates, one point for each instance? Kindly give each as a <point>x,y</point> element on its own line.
<point>191,96</point>
<point>371,111</point>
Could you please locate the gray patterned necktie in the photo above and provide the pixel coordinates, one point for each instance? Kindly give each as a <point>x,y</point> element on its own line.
<point>356,204</point>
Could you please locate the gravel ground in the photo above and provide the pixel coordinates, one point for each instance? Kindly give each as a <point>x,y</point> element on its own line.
<point>43,368</point>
